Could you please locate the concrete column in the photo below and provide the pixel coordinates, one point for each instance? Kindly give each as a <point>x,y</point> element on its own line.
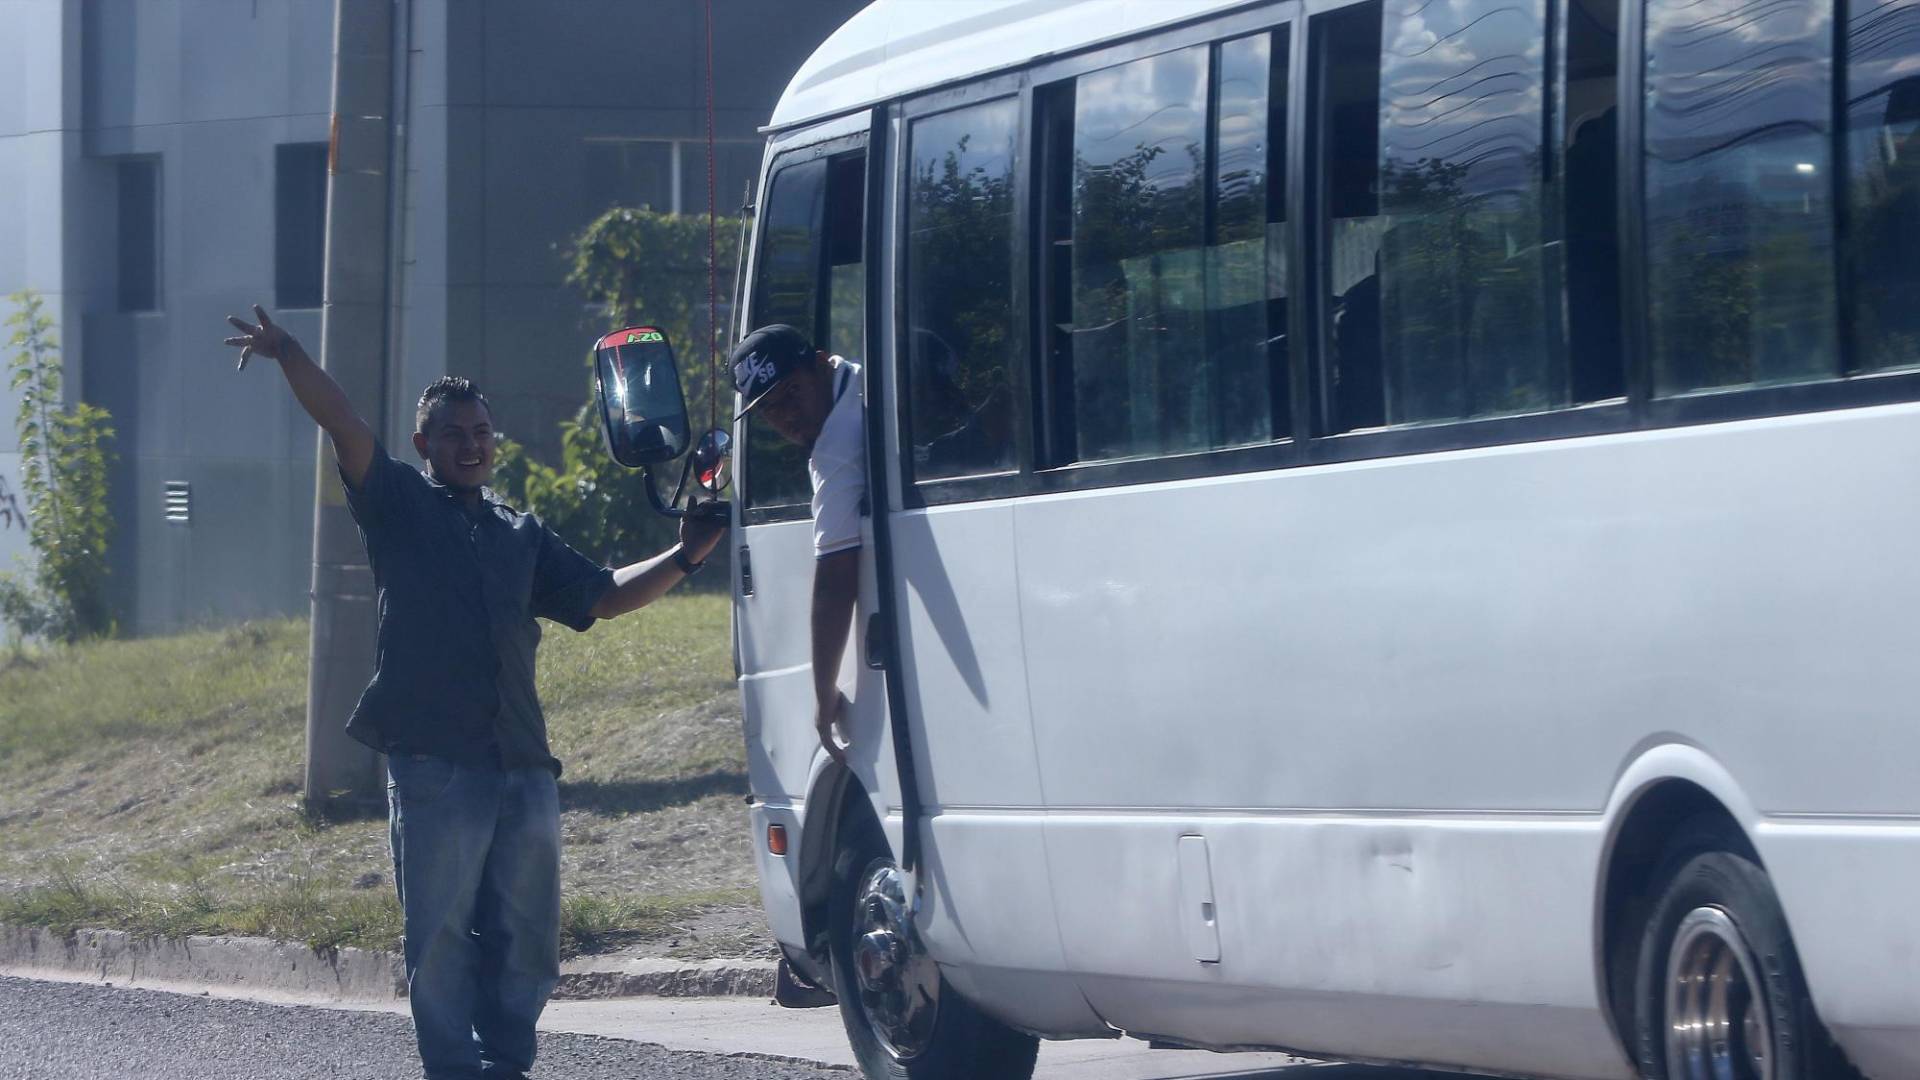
<point>342,775</point>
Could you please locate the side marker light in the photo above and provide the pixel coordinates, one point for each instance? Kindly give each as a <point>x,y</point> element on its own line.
<point>777,839</point>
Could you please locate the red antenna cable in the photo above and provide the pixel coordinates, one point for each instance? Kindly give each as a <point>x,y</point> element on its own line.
<point>714,362</point>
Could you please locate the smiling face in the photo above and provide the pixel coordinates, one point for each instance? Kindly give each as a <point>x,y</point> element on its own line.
<point>797,407</point>
<point>458,444</point>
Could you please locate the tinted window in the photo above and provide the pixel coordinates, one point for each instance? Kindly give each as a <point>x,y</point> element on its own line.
<point>139,234</point>
<point>300,223</point>
<point>1591,128</point>
<point>1739,223</point>
<point>1439,285</point>
<point>1245,365</point>
<point>1166,258</point>
<point>786,290</point>
<point>960,333</point>
<point>1347,55</point>
<point>845,333</point>
<point>1883,146</point>
<point>787,279</point>
<point>809,276</point>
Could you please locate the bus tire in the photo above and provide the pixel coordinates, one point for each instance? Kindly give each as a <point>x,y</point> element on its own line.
<point>1718,990</point>
<point>956,1041</point>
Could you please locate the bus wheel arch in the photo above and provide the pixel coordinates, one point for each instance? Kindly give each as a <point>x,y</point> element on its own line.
<point>1659,815</point>
<point>836,792</point>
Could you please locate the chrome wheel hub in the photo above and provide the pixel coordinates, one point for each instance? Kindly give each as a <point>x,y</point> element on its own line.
<point>1717,1025</point>
<point>899,983</point>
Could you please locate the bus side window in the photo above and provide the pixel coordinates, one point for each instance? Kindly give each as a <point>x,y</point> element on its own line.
<point>1440,282</point>
<point>1347,45</point>
<point>1163,183</point>
<point>1883,147</point>
<point>809,276</point>
<point>1740,227</point>
<point>962,341</point>
<point>1589,215</point>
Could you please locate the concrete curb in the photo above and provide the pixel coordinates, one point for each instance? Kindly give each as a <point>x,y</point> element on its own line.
<point>342,974</point>
<point>601,977</point>
<point>255,963</point>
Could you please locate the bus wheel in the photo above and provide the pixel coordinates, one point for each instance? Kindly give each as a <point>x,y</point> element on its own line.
<point>1719,993</point>
<point>903,1020</point>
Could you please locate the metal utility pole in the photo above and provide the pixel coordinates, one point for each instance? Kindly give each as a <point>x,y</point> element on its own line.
<point>342,775</point>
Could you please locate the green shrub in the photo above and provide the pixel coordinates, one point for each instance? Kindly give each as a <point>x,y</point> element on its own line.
<point>63,470</point>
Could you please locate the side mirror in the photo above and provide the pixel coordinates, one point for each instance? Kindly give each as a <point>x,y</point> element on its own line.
<point>712,461</point>
<point>641,405</point>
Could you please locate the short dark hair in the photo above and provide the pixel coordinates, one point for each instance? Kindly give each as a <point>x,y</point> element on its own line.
<point>442,390</point>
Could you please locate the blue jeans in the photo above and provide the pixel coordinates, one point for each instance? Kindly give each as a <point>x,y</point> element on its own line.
<point>476,859</point>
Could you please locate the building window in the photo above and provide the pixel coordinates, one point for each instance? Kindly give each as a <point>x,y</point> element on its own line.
<point>139,233</point>
<point>628,172</point>
<point>1740,229</point>
<point>736,165</point>
<point>668,176</point>
<point>300,224</point>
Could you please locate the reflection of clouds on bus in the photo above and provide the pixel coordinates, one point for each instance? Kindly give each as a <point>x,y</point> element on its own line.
<point>1739,192</point>
<point>1454,318</point>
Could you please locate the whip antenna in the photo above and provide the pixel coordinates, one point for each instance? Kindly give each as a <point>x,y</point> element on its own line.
<point>715,361</point>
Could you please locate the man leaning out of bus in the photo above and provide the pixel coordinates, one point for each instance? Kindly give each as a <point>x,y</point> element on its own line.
<point>814,401</point>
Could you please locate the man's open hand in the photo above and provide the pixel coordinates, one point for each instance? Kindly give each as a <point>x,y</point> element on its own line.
<point>827,723</point>
<point>267,339</point>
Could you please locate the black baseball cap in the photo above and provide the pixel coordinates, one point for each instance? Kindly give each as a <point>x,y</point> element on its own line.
<point>764,358</point>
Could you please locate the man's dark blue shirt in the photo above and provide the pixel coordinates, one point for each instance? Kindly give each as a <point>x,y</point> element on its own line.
<point>459,592</point>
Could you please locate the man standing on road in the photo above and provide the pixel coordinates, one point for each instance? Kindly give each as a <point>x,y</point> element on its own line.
<point>474,808</point>
<point>817,402</point>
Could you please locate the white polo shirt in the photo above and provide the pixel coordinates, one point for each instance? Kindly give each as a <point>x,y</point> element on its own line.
<point>838,464</point>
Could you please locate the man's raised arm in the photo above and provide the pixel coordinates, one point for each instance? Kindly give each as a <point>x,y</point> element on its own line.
<point>317,392</point>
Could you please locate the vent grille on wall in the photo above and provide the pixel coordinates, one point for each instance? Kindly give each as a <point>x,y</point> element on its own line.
<point>179,502</point>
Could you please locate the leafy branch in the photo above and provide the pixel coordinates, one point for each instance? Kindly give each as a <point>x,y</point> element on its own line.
<point>64,458</point>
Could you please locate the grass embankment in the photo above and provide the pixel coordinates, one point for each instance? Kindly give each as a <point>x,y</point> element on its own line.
<point>154,786</point>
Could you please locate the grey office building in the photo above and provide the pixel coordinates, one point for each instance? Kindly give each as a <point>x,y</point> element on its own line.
<point>163,163</point>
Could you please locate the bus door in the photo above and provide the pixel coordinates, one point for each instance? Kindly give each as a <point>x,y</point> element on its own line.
<point>954,439</point>
<point>808,273</point>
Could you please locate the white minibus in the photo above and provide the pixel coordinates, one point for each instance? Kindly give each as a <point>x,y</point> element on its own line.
<point>1393,533</point>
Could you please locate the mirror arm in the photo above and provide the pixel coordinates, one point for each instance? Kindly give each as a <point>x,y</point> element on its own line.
<point>660,506</point>
<point>686,470</point>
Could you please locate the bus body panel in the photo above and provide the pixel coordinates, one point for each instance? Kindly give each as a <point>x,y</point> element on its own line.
<point>1849,888</point>
<point>779,874</point>
<point>989,920</point>
<point>1395,634</point>
<point>965,683</point>
<point>1492,633</point>
<point>1353,918</point>
<point>776,681</point>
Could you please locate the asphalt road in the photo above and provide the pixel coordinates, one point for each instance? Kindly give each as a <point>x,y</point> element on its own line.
<point>88,1031</point>
<point>64,1031</point>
